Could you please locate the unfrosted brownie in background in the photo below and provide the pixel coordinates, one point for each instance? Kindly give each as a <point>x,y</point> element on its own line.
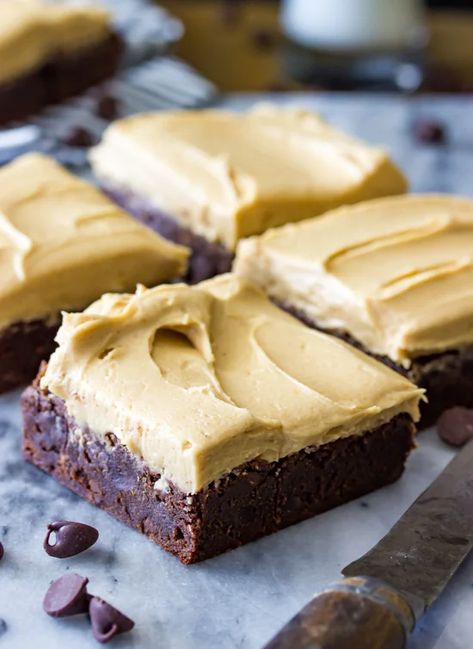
<point>49,52</point>
<point>205,417</point>
<point>393,276</point>
<point>62,244</point>
<point>209,178</point>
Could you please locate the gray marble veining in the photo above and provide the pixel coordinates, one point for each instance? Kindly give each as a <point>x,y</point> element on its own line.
<point>239,599</point>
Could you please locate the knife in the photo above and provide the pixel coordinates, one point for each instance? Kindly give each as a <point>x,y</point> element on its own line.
<point>387,590</point>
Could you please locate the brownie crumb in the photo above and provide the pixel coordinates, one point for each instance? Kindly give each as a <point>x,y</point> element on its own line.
<point>79,137</point>
<point>107,107</point>
<point>430,131</point>
<point>455,426</point>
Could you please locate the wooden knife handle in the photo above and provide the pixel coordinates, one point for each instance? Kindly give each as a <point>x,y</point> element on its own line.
<point>355,613</point>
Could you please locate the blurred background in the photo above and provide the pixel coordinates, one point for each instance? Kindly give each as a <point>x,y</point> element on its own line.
<point>261,45</point>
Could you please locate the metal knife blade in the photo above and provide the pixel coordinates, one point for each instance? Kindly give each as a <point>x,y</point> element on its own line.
<point>420,554</point>
<point>383,594</point>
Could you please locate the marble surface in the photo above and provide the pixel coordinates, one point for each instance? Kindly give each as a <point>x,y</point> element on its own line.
<point>242,598</point>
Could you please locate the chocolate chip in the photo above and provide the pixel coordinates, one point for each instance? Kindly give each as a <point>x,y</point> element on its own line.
<point>2,551</point>
<point>455,426</point>
<point>67,596</point>
<point>107,107</point>
<point>429,131</point>
<point>79,137</point>
<point>71,538</point>
<point>107,621</point>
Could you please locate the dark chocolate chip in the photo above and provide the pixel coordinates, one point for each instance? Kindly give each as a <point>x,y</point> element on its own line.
<point>107,107</point>
<point>71,538</point>
<point>107,621</point>
<point>67,596</point>
<point>79,137</point>
<point>2,551</point>
<point>455,426</point>
<point>429,131</point>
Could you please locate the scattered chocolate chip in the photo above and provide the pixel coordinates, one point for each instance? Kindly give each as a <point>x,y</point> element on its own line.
<point>429,131</point>
<point>2,551</point>
<point>455,426</point>
<point>107,621</point>
<point>71,538</point>
<point>107,107</point>
<point>263,39</point>
<point>79,137</point>
<point>67,596</point>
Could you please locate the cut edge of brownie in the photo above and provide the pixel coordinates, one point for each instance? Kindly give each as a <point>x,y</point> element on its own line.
<point>207,259</point>
<point>256,499</point>
<point>447,377</point>
<point>23,345</point>
<point>59,78</point>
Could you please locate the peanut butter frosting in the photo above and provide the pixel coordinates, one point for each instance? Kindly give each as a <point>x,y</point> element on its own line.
<point>197,380</point>
<point>33,31</point>
<point>63,243</point>
<point>395,273</point>
<point>227,175</point>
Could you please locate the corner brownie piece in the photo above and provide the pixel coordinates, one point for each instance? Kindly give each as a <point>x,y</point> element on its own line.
<point>62,244</point>
<point>393,277</point>
<point>49,52</point>
<point>208,178</point>
<point>206,417</point>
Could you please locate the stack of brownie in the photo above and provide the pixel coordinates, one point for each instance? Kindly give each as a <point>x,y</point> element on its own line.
<point>202,413</point>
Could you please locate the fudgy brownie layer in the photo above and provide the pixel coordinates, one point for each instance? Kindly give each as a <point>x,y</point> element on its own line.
<point>256,499</point>
<point>23,345</point>
<point>446,377</point>
<point>59,78</point>
<point>207,258</point>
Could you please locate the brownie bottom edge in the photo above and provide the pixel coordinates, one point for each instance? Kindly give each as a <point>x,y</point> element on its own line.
<point>256,499</point>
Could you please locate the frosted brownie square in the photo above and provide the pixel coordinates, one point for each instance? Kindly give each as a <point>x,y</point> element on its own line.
<point>208,178</point>
<point>51,51</point>
<point>393,276</point>
<point>205,417</point>
<point>62,244</point>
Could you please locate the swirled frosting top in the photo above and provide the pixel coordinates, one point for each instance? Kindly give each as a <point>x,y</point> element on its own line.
<point>199,379</point>
<point>227,175</point>
<point>32,31</point>
<point>395,273</point>
<point>63,243</point>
